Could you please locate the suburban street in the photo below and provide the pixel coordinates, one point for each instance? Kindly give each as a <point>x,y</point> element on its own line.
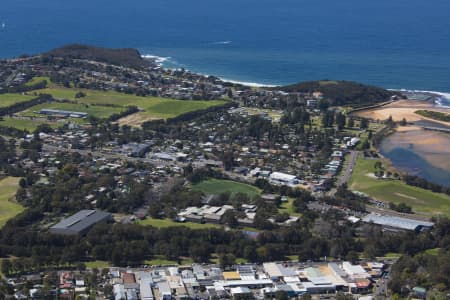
<point>346,172</point>
<point>348,169</point>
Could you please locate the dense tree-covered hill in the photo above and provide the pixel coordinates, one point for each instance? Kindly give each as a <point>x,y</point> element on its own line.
<point>127,57</point>
<point>342,92</point>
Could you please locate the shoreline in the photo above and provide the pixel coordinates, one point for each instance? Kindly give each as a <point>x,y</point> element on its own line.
<point>432,148</point>
<point>163,60</point>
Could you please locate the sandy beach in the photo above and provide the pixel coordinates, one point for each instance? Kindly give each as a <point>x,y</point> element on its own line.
<point>402,109</point>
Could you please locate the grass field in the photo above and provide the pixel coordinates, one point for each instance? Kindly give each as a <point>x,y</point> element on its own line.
<point>98,264</point>
<point>29,125</point>
<point>8,208</point>
<point>217,186</point>
<point>164,223</point>
<point>396,191</point>
<point>37,79</point>
<point>154,107</point>
<point>10,99</point>
<point>287,207</point>
<point>159,260</point>
<point>93,110</point>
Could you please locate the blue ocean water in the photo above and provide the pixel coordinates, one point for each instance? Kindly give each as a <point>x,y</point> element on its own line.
<point>390,43</point>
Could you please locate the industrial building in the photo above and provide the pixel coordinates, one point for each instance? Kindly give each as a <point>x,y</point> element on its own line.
<point>63,113</point>
<point>397,223</point>
<point>80,222</point>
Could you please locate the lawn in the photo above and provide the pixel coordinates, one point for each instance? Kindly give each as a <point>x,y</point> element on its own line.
<point>396,191</point>
<point>8,208</point>
<point>159,260</point>
<point>93,110</point>
<point>97,264</point>
<point>10,99</point>
<point>288,207</point>
<point>215,259</point>
<point>37,79</point>
<point>218,186</point>
<point>164,223</point>
<point>433,251</point>
<point>154,107</point>
<point>29,125</point>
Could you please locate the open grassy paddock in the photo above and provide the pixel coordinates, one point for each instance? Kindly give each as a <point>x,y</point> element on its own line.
<point>164,223</point>
<point>218,186</point>
<point>97,264</point>
<point>97,103</point>
<point>24,124</point>
<point>93,110</point>
<point>37,79</point>
<point>288,207</point>
<point>396,191</point>
<point>8,207</point>
<point>11,99</point>
<point>153,107</point>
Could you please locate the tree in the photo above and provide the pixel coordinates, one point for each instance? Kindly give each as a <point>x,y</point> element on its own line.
<point>229,218</point>
<point>306,297</point>
<point>364,123</point>
<point>340,120</point>
<point>6,266</point>
<point>155,209</point>
<point>352,256</point>
<point>227,260</point>
<point>228,160</point>
<point>281,295</point>
<point>350,123</point>
<point>199,252</point>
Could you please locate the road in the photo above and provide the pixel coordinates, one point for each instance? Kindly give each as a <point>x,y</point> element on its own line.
<point>346,173</point>
<point>112,156</point>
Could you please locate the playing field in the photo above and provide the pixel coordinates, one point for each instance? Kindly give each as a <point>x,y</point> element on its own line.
<point>164,223</point>
<point>217,186</point>
<point>92,110</point>
<point>29,125</point>
<point>10,99</point>
<point>97,264</point>
<point>396,191</point>
<point>8,207</point>
<point>102,104</point>
<point>153,107</point>
<point>37,80</point>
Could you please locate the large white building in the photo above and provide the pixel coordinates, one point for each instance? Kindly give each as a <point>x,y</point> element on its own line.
<point>283,179</point>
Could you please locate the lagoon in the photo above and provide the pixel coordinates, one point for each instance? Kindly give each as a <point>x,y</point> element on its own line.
<point>420,152</point>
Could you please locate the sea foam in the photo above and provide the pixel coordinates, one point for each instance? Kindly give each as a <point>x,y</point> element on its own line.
<point>157,59</point>
<point>443,99</point>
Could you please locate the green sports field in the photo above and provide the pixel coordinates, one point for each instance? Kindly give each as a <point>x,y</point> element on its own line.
<point>164,223</point>
<point>29,125</point>
<point>10,99</point>
<point>153,107</point>
<point>102,104</point>
<point>396,191</point>
<point>37,80</point>
<point>8,207</point>
<point>218,186</point>
<point>93,110</point>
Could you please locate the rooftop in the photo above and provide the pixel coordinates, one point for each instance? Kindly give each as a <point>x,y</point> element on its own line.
<point>397,222</point>
<point>80,221</point>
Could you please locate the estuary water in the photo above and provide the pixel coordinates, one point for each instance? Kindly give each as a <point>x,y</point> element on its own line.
<point>420,152</point>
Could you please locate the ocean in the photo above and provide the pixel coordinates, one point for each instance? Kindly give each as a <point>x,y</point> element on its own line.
<point>390,43</point>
